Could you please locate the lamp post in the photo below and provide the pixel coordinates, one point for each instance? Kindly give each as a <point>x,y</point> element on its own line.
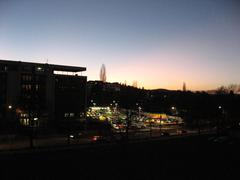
<point>115,107</point>
<point>160,127</point>
<point>10,109</point>
<point>220,108</point>
<point>10,116</point>
<point>173,109</point>
<point>150,130</point>
<point>139,112</point>
<point>92,103</point>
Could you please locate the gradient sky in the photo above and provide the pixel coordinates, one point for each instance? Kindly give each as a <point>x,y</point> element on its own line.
<point>159,43</point>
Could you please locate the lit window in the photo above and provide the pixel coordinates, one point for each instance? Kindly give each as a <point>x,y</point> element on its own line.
<point>71,114</point>
<point>24,115</point>
<point>27,122</point>
<point>66,114</point>
<point>39,69</point>
<point>29,87</point>
<point>24,121</point>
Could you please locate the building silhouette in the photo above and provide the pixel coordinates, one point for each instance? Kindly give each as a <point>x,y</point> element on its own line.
<point>35,94</point>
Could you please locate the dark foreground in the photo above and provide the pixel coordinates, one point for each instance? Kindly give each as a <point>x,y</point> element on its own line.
<point>182,158</point>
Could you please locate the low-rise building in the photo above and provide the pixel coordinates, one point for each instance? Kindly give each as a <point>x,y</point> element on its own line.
<point>35,94</point>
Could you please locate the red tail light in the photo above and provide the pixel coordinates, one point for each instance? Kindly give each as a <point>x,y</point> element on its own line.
<point>95,138</point>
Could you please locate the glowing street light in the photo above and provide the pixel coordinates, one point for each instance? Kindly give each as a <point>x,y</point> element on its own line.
<point>139,111</point>
<point>139,108</point>
<point>115,106</point>
<point>10,107</point>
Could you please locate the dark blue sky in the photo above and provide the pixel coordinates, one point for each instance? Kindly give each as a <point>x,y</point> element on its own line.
<point>159,43</point>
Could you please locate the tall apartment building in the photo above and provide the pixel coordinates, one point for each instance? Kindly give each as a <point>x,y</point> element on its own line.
<point>35,94</point>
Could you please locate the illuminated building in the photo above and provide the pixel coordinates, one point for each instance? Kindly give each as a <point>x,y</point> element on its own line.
<point>35,94</point>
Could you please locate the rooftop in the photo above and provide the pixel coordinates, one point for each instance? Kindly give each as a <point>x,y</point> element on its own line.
<point>51,66</point>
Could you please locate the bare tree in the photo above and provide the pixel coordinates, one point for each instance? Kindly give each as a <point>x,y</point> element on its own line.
<point>222,90</point>
<point>234,88</point>
<point>184,86</point>
<point>135,84</point>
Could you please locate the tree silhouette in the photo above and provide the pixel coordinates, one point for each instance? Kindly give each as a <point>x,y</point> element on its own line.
<point>103,76</point>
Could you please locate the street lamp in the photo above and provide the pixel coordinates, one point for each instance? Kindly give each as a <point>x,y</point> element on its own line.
<point>219,119</point>
<point>174,110</point>
<point>116,105</point>
<point>92,103</point>
<point>139,110</point>
<point>10,112</point>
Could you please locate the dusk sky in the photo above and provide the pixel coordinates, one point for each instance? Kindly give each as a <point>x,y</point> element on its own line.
<point>159,43</point>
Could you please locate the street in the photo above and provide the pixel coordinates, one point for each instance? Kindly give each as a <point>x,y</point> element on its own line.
<point>190,157</point>
<point>11,143</point>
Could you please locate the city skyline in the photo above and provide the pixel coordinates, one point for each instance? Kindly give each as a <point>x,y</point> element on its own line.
<point>159,44</point>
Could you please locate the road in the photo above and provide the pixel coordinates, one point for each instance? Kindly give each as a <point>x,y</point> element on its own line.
<point>62,140</point>
<point>191,157</point>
